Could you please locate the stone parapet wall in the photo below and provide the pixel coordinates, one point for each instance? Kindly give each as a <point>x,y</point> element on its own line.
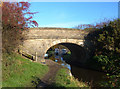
<point>55,33</point>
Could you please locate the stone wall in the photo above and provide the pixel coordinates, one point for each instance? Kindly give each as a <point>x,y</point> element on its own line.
<point>42,45</point>
<point>41,39</point>
<point>55,33</point>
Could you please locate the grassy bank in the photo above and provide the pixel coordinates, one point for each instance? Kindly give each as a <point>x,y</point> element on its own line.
<point>64,80</point>
<point>20,72</point>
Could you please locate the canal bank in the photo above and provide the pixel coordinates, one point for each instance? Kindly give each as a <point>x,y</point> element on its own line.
<point>83,73</point>
<point>59,76</point>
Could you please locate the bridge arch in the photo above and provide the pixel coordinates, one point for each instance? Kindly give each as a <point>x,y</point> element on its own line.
<point>41,39</point>
<point>78,52</point>
<point>59,41</point>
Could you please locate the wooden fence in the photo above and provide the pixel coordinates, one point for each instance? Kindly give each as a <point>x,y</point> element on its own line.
<point>28,55</point>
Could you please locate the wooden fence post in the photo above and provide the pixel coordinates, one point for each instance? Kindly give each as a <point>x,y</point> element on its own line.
<point>36,56</point>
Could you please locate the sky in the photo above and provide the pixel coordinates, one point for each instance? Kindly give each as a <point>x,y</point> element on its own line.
<point>71,14</point>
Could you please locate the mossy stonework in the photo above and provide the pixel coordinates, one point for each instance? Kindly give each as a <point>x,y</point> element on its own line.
<point>41,39</point>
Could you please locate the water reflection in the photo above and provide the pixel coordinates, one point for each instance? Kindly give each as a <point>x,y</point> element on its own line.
<point>86,75</point>
<point>60,60</point>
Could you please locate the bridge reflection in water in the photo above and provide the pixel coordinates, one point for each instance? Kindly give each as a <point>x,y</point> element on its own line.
<point>91,77</point>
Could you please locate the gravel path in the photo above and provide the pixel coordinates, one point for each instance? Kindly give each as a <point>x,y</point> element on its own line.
<point>49,78</point>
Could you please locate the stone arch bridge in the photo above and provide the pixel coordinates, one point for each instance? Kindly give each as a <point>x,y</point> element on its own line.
<point>41,39</point>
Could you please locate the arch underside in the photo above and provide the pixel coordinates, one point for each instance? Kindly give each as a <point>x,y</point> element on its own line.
<point>78,53</point>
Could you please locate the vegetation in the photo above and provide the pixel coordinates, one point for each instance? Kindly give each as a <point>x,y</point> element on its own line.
<point>20,72</point>
<point>105,37</point>
<point>64,80</point>
<point>14,21</point>
<point>67,56</point>
<point>109,52</point>
<point>17,72</point>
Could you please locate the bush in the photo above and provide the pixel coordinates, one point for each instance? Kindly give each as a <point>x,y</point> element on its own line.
<point>108,64</point>
<point>14,22</point>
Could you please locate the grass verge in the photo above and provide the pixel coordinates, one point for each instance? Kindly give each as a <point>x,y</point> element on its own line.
<point>64,80</point>
<point>20,72</point>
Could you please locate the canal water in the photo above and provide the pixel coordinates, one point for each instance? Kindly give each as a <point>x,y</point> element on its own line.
<point>91,77</point>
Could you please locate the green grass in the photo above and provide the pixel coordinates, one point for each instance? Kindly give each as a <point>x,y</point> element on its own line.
<point>20,72</point>
<point>64,80</point>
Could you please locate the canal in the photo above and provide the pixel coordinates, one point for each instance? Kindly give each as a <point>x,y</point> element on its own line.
<point>91,77</point>
<point>88,76</point>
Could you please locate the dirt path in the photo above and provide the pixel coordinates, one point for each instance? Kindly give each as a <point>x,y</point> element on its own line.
<point>49,77</point>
